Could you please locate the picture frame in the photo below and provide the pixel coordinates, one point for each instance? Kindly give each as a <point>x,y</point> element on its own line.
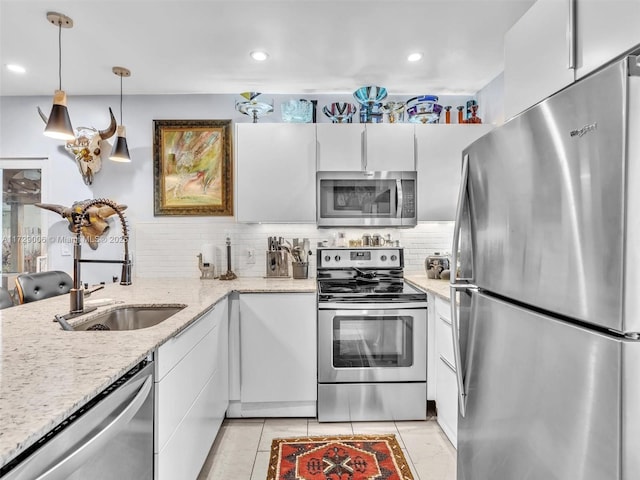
<point>192,167</point>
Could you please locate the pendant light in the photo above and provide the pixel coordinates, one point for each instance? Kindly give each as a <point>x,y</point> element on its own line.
<point>120,151</point>
<point>58,124</point>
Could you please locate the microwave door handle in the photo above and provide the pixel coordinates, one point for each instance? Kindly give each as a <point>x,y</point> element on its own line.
<point>399,198</point>
<point>69,464</point>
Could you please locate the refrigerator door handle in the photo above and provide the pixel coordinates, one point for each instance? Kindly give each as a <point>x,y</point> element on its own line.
<point>457,357</point>
<point>462,197</point>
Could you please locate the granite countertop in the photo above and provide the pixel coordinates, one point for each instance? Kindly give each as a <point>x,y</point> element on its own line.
<point>435,286</point>
<point>47,373</point>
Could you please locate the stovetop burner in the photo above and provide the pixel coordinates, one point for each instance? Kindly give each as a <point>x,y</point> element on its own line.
<point>364,275</point>
<point>354,290</point>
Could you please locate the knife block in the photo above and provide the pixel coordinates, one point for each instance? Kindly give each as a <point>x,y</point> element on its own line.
<point>277,263</point>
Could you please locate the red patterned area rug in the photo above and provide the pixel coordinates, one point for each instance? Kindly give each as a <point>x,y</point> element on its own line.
<point>349,457</point>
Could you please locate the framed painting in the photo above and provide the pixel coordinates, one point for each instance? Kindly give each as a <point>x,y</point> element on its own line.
<point>192,167</point>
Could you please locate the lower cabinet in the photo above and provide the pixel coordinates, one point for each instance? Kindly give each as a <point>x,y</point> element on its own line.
<point>445,372</point>
<point>275,340</point>
<point>192,395</point>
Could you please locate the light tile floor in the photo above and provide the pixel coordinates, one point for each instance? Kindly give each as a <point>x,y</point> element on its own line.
<point>241,450</point>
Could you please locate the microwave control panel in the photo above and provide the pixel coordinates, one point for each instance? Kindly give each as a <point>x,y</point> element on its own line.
<point>409,199</point>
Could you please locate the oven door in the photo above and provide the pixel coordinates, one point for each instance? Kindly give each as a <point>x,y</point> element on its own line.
<point>372,345</point>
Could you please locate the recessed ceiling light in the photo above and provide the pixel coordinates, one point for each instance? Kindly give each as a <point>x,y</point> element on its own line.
<point>15,68</point>
<point>414,57</point>
<point>259,55</point>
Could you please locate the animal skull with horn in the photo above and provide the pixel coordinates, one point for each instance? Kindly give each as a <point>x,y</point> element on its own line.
<point>87,147</point>
<point>93,225</point>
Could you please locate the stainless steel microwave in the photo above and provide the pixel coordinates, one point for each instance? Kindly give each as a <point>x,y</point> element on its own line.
<point>352,199</point>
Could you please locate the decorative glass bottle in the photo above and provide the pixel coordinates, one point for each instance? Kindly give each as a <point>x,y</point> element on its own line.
<point>474,117</point>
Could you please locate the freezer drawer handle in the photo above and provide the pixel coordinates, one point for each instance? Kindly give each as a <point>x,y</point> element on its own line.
<point>455,326</point>
<point>70,463</point>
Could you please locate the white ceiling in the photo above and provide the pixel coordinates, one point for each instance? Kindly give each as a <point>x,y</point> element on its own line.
<point>202,46</point>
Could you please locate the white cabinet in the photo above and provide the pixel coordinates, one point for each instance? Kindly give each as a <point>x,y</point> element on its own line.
<point>191,395</point>
<point>278,355</point>
<point>606,29</point>
<point>439,161</point>
<point>276,173</point>
<point>538,46</point>
<point>369,147</point>
<point>340,146</point>
<point>389,147</point>
<point>536,55</point>
<point>446,382</point>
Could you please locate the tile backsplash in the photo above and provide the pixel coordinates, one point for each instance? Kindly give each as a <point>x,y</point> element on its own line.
<point>169,249</point>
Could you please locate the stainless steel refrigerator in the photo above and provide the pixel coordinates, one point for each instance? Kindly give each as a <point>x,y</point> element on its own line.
<point>548,241</point>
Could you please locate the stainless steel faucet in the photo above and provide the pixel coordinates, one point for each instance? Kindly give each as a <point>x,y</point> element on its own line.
<point>77,292</point>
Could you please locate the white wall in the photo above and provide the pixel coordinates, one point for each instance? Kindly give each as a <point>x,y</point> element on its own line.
<point>491,101</point>
<point>165,245</point>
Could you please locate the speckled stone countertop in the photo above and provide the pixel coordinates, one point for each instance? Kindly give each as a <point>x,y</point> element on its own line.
<point>47,373</point>
<point>435,286</point>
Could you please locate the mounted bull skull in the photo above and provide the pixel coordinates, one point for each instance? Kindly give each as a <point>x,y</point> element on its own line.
<point>87,147</point>
<point>93,225</point>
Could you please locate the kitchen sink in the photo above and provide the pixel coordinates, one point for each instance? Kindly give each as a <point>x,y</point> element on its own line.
<point>130,317</point>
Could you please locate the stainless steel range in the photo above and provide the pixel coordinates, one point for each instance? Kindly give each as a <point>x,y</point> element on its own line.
<point>372,337</point>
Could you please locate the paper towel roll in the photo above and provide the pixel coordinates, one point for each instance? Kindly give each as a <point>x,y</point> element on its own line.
<point>209,253</point>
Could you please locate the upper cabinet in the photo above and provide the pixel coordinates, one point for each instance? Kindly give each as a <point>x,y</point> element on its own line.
<point>366,147</point>
<point>606,29</point>
<point>340,146</point>
<point>439,156</point>
<point>389,147</point>
<point>537,55</point>
<point>276,172</point>
<point>558,41</point>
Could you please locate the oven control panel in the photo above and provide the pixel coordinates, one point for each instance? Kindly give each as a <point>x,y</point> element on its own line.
<point>360,258</point>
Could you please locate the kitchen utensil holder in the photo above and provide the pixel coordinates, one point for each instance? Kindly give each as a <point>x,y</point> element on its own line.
<point>278,264</point>
<point>300,269</point>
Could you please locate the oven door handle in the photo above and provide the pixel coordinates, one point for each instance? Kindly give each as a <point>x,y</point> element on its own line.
<point>342,308</point>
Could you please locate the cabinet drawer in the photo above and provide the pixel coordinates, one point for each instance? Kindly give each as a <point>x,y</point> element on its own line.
<point>444,338</point>
<point>185,452</point>
<point>179,389</point>
<point>443,309</point>
<point>174,349</point>
<point>447,400</point>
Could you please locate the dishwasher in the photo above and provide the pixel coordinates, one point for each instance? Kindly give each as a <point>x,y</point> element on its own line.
<point>109,438</point>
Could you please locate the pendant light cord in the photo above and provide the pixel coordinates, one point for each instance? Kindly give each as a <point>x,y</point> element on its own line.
<point>121,100</point>
<point>60,54</point>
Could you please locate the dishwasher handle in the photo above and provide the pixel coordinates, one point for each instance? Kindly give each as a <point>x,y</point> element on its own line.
<point>73,461</point>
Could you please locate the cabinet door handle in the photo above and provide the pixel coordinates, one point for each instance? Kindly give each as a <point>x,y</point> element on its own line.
<point>571,34</point>
<point>448,364</point>
<point>445,320</point>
